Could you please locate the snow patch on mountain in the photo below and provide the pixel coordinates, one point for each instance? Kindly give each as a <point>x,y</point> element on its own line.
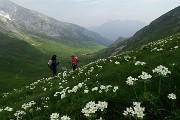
<point>5,15</point>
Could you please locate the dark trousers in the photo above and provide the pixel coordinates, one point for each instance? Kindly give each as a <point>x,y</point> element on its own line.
<point>74,66</point>
<point>54,71</point>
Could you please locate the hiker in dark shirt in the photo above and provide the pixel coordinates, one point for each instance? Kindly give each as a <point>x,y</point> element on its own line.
<point>54,65</point>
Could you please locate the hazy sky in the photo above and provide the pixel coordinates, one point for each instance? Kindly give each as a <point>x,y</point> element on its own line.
<point>96,12</point>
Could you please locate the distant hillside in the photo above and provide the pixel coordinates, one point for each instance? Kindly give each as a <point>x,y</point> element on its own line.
<point>115,28</point>
<point>163,26</point>
<point>120,39</point>
<point>15,18</point>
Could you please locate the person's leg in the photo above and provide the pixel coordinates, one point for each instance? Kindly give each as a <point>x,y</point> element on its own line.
<point>54,72</point>
<point>74,67</point>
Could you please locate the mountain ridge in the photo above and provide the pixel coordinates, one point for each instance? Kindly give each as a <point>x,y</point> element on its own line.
<point>31,22</point>
<point>164,26</point>
<point>113,29</point>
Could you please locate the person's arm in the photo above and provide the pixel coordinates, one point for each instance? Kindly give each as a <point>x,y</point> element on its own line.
<point>57,63</point>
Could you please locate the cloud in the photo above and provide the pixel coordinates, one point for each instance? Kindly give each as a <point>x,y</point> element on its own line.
<point>147,1</point>
<point>87,1</point>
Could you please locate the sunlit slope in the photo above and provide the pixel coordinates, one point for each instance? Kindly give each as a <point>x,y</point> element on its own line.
<point>116,82</point>
<point>24,59</point>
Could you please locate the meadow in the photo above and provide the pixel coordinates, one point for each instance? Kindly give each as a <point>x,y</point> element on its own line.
<point>23,59</point>
<point>139,84</point>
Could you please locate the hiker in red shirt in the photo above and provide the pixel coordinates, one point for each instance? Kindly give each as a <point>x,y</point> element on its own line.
<point>74,62</point>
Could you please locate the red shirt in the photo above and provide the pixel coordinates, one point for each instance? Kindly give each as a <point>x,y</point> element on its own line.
<point>74,60</point>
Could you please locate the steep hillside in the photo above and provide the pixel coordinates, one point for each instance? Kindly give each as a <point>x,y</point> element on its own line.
<point>18,59</point>
<point>21,20</point>
<point>138,84</point>
<point>163,26</point>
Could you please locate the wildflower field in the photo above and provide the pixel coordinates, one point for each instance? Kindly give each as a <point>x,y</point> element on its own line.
<point>140,84</point>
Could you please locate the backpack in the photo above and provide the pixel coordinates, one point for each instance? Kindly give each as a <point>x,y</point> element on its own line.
<point>50,64</point>
<point>77,59</point>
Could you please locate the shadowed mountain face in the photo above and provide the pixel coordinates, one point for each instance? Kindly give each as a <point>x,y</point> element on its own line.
<point>15,18</point>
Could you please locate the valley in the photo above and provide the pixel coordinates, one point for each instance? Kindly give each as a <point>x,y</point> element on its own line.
<point>132,79</point>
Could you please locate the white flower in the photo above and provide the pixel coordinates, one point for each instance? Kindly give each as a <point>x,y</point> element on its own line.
<point>99,118</point>
<point>100,91</point>
<point>95,89</point>
<point>115,88</point>
<point>38,108</point>
<point>28,105</point>
<point>130,80</point>
<point>136,111</point>
<point>91,107</point>
<point>102,105</point>
<point>56,94</point>
<point>125,113</point>
<point>45,89</point>
<point>176,47</point>
<point>63,95</point>
<point>19,114</point>
<point>86,91</point>
<point>80,85</point>
<point>65,118</point>
<point>172,96</point>
<point>117,63</point>
<point>8,109</point>
<point>161,70</point>
<point>140,63</point>
<point>145,76</point>
<point>54,116</point>
<point>102,87</point>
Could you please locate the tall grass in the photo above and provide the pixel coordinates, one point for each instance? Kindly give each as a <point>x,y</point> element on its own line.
<point>103,89</point>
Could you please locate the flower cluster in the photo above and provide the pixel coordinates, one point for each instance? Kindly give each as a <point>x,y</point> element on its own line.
<point>63,93</point>
<point>144,76</point>
<point>117,63</point>
<point>91,107</point>
<point>139,63</point>
<point>65,118</point>
<point>176,47</point>
<point>130,80</point>
<point>19,114</point>
<point>54,116</point>
<point>105,88</point>
<point>115,88</point>
<point>136,111</point>
<point>127,57</point>
<point>161,70</point>
<point>157,49</point>
<point>28,105</point>
<point>8,109</point>
<point>172,96</point>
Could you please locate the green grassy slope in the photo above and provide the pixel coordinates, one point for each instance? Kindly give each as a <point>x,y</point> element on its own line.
<point>24,59</point>
<point>17,61</point>
<point>106,80</point>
